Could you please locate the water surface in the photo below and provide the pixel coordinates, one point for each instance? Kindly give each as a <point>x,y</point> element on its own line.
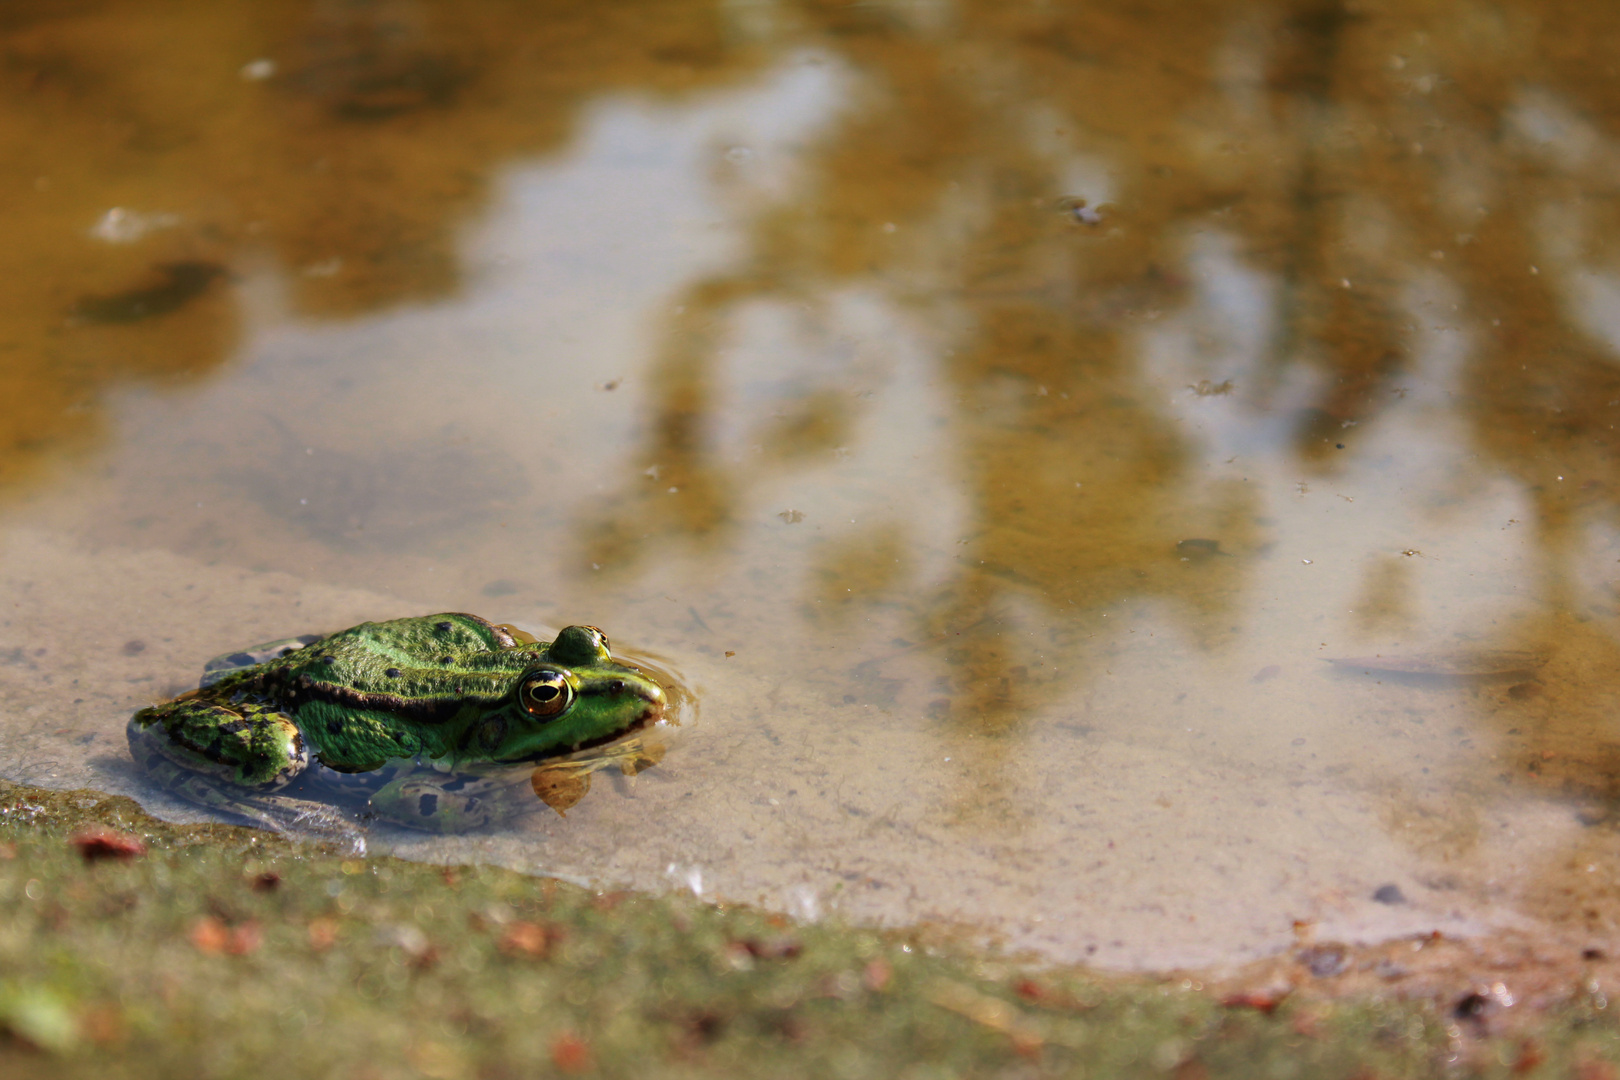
<point>998,413</point>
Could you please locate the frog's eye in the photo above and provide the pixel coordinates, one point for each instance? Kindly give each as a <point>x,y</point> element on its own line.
<point>546,694</point>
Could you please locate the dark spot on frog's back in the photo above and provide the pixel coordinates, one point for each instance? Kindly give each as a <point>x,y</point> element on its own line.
<point>442,627</point>
<point>392,673</point>
<point>427,805</point>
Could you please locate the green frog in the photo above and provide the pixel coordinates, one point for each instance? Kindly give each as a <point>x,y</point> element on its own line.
<point>434,723</point>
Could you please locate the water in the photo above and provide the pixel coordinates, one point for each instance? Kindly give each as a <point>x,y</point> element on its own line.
<point>997,413</point>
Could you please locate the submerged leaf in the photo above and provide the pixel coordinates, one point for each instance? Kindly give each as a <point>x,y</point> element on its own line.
<point>561,788</point>
<point>561,784</point>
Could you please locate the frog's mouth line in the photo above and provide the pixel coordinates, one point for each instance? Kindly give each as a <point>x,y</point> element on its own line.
<point>653,713</point>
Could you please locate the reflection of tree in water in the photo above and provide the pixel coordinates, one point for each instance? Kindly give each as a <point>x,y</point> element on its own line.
<point>352,148</point>
<point>1489,161</point>
<point>396,115</point>
<point>1366,163</point>
<point>1076,484</point>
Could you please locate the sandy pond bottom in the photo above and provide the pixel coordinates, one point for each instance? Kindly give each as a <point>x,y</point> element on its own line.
<point>1085,841</point>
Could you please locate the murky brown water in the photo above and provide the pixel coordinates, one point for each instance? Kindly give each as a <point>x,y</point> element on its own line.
<point>997,411</point>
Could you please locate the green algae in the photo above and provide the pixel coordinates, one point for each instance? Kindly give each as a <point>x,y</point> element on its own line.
<point>219,951</point>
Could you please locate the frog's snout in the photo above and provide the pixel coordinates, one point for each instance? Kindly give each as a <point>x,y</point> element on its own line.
<point>656,700</point>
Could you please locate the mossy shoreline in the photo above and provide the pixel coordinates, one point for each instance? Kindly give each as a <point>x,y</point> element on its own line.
<point>217,951</point>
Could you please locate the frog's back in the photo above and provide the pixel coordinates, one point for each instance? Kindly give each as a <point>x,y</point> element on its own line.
<point>402,688</point>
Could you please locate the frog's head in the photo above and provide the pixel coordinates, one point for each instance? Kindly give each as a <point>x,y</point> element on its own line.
<point>578,696</point>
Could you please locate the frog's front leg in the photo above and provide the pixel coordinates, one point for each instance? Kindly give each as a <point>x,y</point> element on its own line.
<point>234,758</point>
<point>452,802</point>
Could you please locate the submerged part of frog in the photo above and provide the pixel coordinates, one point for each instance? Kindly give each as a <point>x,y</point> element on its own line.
<point>433,723</point>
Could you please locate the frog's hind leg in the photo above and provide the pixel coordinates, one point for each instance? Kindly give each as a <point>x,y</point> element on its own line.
<point>226,663</point>
<point>234,760</point>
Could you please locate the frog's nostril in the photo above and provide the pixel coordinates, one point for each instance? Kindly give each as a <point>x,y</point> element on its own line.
<point>616,686</point>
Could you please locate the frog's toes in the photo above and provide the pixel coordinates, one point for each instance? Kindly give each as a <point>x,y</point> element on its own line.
<point>329,824</point>
<point>302,819</point>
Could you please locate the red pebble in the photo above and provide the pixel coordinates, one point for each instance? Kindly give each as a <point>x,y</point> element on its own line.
<point>570,1053</point>
<point>96,844</point>
<point>1254,999</point>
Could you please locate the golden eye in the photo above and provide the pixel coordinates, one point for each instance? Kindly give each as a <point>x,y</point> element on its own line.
<point>546,693</point>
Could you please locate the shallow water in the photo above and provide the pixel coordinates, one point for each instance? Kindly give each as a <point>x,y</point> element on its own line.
<point>997,413</point>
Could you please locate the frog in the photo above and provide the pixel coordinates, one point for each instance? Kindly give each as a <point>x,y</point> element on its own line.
<point>439,723</point>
